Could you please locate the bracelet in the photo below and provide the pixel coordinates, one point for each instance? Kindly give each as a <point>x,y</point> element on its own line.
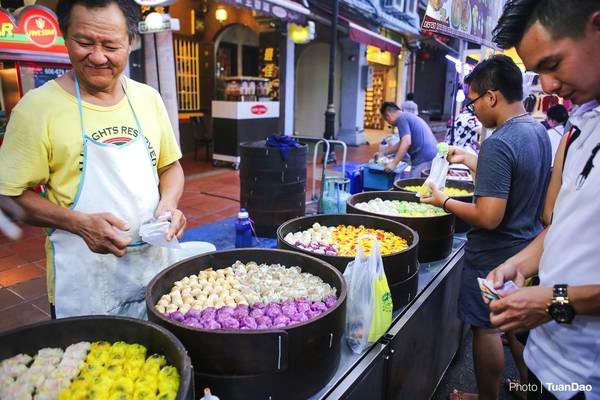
<point>444,204</point>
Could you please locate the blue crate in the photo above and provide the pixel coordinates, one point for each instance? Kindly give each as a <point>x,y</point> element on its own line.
<point>375,178</point>
<point>354,172</point>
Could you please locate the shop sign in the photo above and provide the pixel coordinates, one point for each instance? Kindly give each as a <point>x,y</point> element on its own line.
<point>36,29</point>
<point>470,20</point>
<point>259,109</point>
<point>275,10</point>
<point>377,56</point>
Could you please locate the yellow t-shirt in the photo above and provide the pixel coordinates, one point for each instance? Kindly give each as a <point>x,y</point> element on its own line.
<point>43,140</point>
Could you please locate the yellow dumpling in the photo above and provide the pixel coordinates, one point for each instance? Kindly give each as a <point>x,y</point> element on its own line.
<point>167,395</point>
<point>157,359</point>
<point>143,394</point>
<point>136,351</point>
<point>120,396</point>
<point>122,385</point>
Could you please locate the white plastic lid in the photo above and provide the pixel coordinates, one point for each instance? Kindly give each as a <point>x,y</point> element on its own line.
<point>243,214</point>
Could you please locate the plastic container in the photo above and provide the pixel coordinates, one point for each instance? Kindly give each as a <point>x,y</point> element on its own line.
<point>243,230</point>
<point>335,195</point>
<point>383,146</point>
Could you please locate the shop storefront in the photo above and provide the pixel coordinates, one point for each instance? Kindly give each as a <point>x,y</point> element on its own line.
<point>228,62</point>
<point>384,74</point>
<point>32,52</point>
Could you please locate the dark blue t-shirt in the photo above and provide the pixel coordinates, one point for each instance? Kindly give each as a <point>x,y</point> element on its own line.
<point>423,146</point>
<point>513,164</point>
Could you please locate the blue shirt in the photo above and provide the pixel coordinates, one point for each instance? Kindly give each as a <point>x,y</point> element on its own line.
<point>513,164</point>
<point>423,146</point>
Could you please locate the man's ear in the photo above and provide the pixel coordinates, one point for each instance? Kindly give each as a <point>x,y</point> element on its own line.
<point>493,96</point>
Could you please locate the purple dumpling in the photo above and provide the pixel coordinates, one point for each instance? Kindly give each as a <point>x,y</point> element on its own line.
<point>211,324</point>
<point>263,322</point>
<point>194,323</point>
<point>330,301</point>
<point>289,309</point>
<point>318,306</point>
<point>195,314</point>
<point>272,310</point>
<point>240,311</point>
<point>288,303</point>
<point>248,323</point>
<point>223,313</point>
<point>299,317</point>
<point>257,312</point>
<point>303,306</point>
<point>281,321</point>
<point>209,313</point>
<point>259,305</point>
<point>230,323</point>
<point>177,316</point>
<point>312,313</point>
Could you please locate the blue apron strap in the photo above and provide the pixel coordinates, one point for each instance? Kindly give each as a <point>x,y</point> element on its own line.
<point>79,105</point>
<point>137,121</point>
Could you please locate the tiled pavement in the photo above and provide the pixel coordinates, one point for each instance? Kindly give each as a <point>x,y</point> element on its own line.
<point>211,194</point>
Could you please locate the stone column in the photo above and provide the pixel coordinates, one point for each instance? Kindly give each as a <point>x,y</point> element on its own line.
<point>352,108</point>
<point>160,72</point>
<point>287,78</point>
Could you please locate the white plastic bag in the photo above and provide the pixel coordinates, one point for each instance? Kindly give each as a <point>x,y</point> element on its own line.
<point>438,173</point>
<point>155,232</point>
<point>368,304</point>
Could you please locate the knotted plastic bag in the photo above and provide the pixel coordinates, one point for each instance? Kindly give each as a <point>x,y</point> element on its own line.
<point>438,173</point>
<point>154,232</point>
<point>369,301</point>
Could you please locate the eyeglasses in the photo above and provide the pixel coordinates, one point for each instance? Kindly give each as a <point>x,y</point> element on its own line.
<point>471,105</point>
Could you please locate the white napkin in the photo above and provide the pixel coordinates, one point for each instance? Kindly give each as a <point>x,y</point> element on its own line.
<point>155,231</point>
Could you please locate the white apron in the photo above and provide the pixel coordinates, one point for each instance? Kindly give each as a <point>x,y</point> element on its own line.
<point>120,180</point>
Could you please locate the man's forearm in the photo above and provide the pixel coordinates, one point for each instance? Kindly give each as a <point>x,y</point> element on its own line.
<point>585,299</point>
<point>527,261</point>
<point>41,212</point>
<point>471,162</point>
<point>468,212</point>
<point>171,185</point>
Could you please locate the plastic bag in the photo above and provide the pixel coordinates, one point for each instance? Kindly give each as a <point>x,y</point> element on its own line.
<point>369,302</point>
<point>438,173</point>
<point>155,232</point>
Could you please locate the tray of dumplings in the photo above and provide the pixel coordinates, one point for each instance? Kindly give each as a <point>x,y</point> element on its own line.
<point>122,359</point>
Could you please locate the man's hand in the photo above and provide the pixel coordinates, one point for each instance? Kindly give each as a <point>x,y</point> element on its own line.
<point>98,232</point>
<point>178,220</point>
<point>390,166</point>
<point>506,272</point>
<point>521,309</point>
<point>437,198</point>
<point>456,155</point>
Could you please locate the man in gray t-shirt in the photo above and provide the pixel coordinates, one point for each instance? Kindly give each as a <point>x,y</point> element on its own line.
<point>511,176</point>
<point>415,136</point>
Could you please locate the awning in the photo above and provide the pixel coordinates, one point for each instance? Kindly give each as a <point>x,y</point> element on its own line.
<point>286,10</point>
<point>365,36</point>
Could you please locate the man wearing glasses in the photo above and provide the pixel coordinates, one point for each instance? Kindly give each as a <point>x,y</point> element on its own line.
<point>512,171</point>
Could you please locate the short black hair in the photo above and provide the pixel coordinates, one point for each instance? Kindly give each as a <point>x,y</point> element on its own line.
<point>497,73</point>
<point>410,96</point>
<point>562,18</point>
<point>558,113</point>
<point>130,10</point>
<point>388,106</point>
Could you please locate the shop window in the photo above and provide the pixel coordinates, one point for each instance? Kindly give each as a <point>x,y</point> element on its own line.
<point>187,61</point>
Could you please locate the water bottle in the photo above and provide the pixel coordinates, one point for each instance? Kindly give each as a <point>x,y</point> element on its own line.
<point>243,230</point>
<point>383,148</point>
<point>208,395</point>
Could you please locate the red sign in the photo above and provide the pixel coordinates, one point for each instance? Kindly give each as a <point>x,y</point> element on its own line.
<point>35,29</point>
<point>259,109</point>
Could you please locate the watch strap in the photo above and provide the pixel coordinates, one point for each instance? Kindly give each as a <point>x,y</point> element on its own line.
<point>560,291</point>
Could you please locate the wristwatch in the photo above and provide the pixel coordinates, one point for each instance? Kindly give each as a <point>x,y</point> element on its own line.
<point>560,310</point>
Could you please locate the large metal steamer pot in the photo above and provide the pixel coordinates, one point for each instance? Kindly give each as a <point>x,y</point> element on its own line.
<point>461,226</point>
<point>66,331</point>
<point>287,363</point>
<point>436,234</point>
<point>399,267</point>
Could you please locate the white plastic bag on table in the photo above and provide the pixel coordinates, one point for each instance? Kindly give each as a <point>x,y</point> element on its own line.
<point>438,173</point>
<point>369,302</point>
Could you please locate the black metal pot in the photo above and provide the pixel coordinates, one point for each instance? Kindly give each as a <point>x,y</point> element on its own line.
<point>64,332</point>
<point>461,226</point>
<point>398,266</point>
<point>288,363</point>
<point>435,233</point>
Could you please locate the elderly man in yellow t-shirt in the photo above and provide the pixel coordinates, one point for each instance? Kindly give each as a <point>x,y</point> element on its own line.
<point>104,147</point>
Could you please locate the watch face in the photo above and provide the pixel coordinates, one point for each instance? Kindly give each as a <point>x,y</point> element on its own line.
<point>561,313</point>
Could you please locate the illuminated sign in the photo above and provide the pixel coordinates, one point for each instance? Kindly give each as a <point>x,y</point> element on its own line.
<point>36,29</point>
<point>259,109</point>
